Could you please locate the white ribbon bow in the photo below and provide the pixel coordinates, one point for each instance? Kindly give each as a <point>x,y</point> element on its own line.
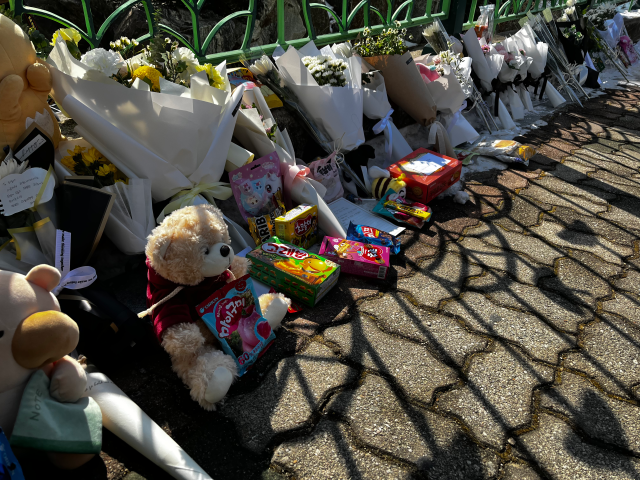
<point>76,279</point>
<point>385,124</point>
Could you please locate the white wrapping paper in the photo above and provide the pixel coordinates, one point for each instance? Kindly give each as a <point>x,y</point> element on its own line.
<point>127,421</point>
<point>377,107</point>
<point>553,95</point>
<point>250,130</point>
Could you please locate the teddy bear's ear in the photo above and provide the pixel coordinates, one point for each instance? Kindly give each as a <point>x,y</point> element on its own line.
<point>163,245</point>
<point>45,276</point>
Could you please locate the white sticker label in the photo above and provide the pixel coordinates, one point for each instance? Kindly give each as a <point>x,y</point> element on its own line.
<point>30,147</point>
<point>19,191</point>
<point>425,164</point>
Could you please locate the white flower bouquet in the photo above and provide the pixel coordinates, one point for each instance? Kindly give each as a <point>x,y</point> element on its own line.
<point>178,139</point>
<point>376,106</point>
<point>337,109</point>
<point>487,67</point>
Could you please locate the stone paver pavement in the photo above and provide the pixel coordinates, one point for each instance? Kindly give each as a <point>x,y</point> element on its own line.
<point>505,346</point>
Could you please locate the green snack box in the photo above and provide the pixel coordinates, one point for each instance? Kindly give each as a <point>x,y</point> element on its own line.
<point>293,271</point>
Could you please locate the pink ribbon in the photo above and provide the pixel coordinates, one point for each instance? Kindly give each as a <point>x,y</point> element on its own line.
<point>289,174</point>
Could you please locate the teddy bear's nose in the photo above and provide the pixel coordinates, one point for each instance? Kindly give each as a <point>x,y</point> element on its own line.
<point>224,250</point>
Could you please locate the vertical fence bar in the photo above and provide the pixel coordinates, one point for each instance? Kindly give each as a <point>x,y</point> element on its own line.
<point>281,31</point>
<point>455,17</point>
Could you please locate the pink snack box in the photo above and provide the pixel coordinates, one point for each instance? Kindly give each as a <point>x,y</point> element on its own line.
<point>357,258</point>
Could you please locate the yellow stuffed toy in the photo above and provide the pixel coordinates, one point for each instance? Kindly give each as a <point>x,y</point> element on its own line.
<point>379,186</point>
<point>24,85</point>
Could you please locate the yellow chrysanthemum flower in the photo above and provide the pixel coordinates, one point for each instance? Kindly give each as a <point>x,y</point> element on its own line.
<point>76,150</point>
<point>148,72</point>
<point>104,170</point>
<point>67,34</point>
<point>68,162</point>
<point>215,79</point>
<point>93,155</point>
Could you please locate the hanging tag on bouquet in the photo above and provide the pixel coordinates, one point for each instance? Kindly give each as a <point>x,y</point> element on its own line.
<point>72,279</point>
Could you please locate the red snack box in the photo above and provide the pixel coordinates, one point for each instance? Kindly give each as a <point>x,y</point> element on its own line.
<point>357,258</point>
<point>426,173</point>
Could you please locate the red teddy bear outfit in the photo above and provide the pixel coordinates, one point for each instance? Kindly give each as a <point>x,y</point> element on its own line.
<point>182,307</point>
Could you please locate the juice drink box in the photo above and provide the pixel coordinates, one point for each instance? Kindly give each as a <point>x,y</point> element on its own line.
<point>426,173</point>
<point>299,226</point>
<point>233,315</point>
<point>294,271</point>
<point>357,258</point>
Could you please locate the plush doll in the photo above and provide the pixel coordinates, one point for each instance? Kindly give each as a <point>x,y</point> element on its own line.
<point>24,85</point>
<point>189,258</point>
<point>35,335</point>
<point>379,186</point>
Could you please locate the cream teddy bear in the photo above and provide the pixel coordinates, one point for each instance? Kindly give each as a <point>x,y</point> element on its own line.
<point>24,85</point>
<point>188,259</point>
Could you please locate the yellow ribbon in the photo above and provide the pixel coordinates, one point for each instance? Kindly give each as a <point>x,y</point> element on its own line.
<point>12,231</point>
<point>43,187</point>
<point>210,191</point>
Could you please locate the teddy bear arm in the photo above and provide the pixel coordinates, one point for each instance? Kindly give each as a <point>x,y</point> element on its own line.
<point>68,380</point>
<point>39,79</point>
<point>11,88</point>
<point>183,342</point>
<point>239,267</point>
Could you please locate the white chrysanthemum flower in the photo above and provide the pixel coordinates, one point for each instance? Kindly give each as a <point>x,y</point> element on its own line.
<point>11,166</point>
<point>183,54</point>
<point>571,3</point>
<point>104,61</point>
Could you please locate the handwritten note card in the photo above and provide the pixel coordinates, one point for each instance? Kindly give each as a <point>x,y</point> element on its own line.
<point>30,147</point>
<point>19,191</point>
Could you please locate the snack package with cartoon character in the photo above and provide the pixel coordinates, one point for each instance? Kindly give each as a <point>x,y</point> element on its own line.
<point>357,258</point>
<point>304,275</point>
<point>257,187</point>
<point>299,226</point>
<point>373,236</point>
<point>395,206</point>
<point>233,315</point>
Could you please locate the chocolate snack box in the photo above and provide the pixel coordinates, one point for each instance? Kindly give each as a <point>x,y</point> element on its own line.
<point>299,226</point>
<point>357,258</point>
<point>293,271</point>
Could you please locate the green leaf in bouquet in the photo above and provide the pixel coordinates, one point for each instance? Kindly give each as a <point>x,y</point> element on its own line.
<point>74,50</point>
<point>148,82</point>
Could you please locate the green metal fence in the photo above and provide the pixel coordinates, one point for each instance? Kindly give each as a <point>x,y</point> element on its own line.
<point>516,9</point>
<point>375,18</point>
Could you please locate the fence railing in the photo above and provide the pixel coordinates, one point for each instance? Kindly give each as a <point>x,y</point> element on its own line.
<point>374,18</point>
